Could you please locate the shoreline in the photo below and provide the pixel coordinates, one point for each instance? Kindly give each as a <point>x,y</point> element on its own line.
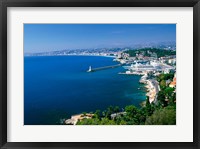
<point>151,85</point>
<point>68,55</point>
<point>75,118</point>
<point>152,89</point>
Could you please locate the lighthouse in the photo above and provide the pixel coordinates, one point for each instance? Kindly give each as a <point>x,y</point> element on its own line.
<point>90,69</point>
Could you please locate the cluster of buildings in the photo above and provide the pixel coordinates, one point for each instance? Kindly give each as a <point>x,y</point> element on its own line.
<point>149,68</point>
<point>171,60</point>
<point>122,55</point>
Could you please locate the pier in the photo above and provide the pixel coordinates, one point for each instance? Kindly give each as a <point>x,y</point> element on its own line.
<point>102,68</point>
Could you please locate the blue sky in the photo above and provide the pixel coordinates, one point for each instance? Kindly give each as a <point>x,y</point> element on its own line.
<point>50,37</point>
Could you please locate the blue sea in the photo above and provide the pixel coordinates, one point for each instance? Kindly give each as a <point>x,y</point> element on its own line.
<point>56,87</point>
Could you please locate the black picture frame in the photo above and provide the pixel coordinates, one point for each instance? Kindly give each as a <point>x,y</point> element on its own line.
<point>4,4</point>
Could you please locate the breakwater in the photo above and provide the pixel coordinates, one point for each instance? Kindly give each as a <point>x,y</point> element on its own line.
<point>102,68</point>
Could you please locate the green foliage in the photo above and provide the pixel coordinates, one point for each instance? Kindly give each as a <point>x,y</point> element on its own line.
<point>163,76</point>
<point>163,84</point>
<point>166,96</point>
<point>141,116</point>
<point>148,115</point>
<point>169,91</point>
<point>97,114</point>
<point>122,122</point>
<point>95,121</point>
<point>106,121</point>
<point>131,110</point>
<point>149,109</point>
<point>161,98</point>
<point>108,112</point>
<point>165,116</point>
<point>116,109</point>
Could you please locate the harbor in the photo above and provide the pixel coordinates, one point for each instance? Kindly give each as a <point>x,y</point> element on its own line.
<point>148,70</point>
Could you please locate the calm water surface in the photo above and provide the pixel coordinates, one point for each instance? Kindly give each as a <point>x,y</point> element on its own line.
<point>56,87</point>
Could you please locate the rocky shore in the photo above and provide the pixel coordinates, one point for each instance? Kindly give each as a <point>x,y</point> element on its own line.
<point>152,88</point>
<point>75,118</point>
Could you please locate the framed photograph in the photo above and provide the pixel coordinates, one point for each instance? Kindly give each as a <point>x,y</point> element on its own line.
<point>108,74</point>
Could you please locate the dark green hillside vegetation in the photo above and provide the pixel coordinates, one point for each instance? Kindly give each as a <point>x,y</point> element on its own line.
<point>148,115</point>
<point>166,95</point>
<point>151,52</point>
<point>165,116</point>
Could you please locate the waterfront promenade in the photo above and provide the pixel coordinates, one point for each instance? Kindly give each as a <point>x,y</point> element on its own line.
<point>153,89</point>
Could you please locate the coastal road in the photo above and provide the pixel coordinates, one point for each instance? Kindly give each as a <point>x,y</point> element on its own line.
<point>155,84</point>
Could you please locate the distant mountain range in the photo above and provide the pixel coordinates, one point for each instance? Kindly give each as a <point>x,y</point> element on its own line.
<point>96,51</point>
